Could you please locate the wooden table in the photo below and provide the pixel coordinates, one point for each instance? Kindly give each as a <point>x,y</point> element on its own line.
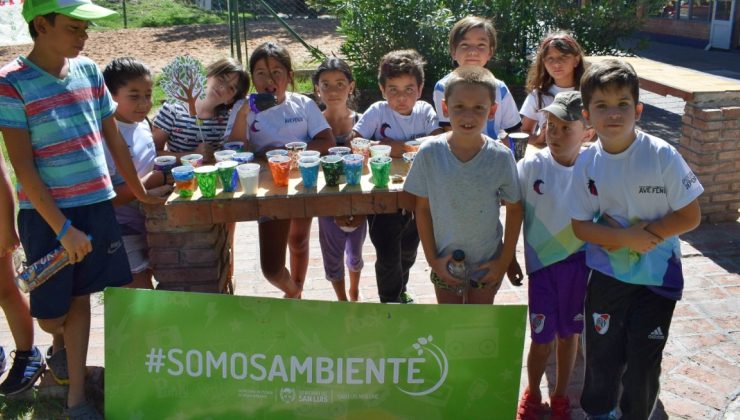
<point>293,201</point>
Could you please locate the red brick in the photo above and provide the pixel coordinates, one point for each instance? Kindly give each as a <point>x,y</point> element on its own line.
<point>686,119</point>
<point>193,236</point>
<point>731,135</point>
<point>731,155</point>
<point>715,188</point>
<point>710,208</point>
<point>731,112</point>
<point>731,124</point>
<point>187,275</point>
<point>703,125</point>
<point>159,257</point>
<point>720,198</point>
<point>709,114</point>
<point>730,145</point>
<point>204,256</point>
<point>154,211</point>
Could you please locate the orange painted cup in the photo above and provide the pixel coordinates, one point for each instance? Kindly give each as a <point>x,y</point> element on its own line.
<point>280,170</point>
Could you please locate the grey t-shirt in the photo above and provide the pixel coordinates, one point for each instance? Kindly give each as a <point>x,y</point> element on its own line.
<point>464,197</point>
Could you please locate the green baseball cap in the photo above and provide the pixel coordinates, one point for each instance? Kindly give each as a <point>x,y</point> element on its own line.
<point>78,9</point>
<point>567,106</point>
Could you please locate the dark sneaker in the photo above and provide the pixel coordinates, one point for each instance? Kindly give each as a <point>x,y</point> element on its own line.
<point>84,411</point>
<point>407,297</point>
<point>26,369</point>
<point>2,360</point>
<point>57,364</point>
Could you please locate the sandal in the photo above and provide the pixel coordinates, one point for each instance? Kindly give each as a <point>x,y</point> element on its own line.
<point>84,411</point>
<point>57,364</point>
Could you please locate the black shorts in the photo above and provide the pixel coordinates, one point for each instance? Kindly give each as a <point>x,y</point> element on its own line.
<point>107,264</point>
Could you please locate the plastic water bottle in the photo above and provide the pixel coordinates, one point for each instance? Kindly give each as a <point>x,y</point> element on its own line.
<point>39,272</point>
<point>456,266</point>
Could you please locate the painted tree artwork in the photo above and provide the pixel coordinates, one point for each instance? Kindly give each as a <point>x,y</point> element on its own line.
<point>184,79</point>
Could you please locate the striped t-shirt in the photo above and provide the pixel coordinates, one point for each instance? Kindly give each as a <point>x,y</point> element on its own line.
<point>185,131</point>
<point>64,121</point>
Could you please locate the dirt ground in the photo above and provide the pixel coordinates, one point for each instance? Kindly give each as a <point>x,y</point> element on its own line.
<point>157,46</point>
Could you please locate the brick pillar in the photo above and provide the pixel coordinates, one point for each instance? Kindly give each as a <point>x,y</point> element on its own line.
<point>188,258</point>
<point>710,144</point>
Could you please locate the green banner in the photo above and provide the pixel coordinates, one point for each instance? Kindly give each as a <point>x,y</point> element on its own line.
<point>190,355</point>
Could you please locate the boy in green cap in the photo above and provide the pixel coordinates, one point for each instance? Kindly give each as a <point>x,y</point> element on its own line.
<point>56,113</point>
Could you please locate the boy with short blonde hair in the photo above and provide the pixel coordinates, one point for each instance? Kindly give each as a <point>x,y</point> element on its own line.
<point>632,194</point>
<point>459,179</point>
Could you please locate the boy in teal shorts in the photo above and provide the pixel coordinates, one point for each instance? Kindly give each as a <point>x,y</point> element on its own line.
<point>56,112</point>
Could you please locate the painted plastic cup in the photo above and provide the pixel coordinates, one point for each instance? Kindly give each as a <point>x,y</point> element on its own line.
<point>227,174</point>
<point>412,146</point>
<point>249,177</point>
<point>243,157</point>
<point>280,169</point>
<point>408,159</point>
<point>309,167</point>
<point>353,168</point>
<point>340,150</point>
<point>381,170</point>
<point>518,143</point>
<point>165,163</point>
<point>294,148</point>
<point>224,155</point>
<point>309,153</point>
<point>332,167</point>
<point>361,147</point>
<point>184,180</point>
<point>194,159</point>
<point>237,146</point>
<point>276,152</point>
<point>206,176</point>
<point>380,150</point>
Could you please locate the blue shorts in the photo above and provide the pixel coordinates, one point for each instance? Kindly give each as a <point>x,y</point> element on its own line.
<point>107,264</point>
<point>556,297</point>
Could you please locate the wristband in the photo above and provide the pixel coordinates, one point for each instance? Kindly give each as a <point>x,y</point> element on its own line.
<point>64,230</point>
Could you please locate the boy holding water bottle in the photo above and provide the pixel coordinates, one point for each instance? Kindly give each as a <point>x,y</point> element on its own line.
<point>459,179</point>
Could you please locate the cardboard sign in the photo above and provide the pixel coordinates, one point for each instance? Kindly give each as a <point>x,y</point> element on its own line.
<point>190,355</point>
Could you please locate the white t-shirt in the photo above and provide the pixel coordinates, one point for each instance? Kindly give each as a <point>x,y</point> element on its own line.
<point>381,121</point>
<point>138,138</point>
<point>298,118</point>
<point>548,234</point>
<point>506,116</point>
<point>465,197</point>
<point>530,108</point>
<point>643,183</point>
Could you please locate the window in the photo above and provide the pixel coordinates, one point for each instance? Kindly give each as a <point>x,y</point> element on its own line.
<point>694,10</point>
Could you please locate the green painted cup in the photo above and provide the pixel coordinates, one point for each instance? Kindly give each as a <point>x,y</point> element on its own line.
<point>333,168</point>
<point>207,176</point>
<point>381,170</point>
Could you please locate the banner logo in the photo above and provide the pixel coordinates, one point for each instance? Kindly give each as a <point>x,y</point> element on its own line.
<point>424,345</point>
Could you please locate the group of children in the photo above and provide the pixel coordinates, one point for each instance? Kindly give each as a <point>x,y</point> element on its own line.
<point>83,150</point>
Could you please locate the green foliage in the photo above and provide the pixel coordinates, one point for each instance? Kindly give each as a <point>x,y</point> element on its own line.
<point>373,28</point>
<point>158,13</point>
